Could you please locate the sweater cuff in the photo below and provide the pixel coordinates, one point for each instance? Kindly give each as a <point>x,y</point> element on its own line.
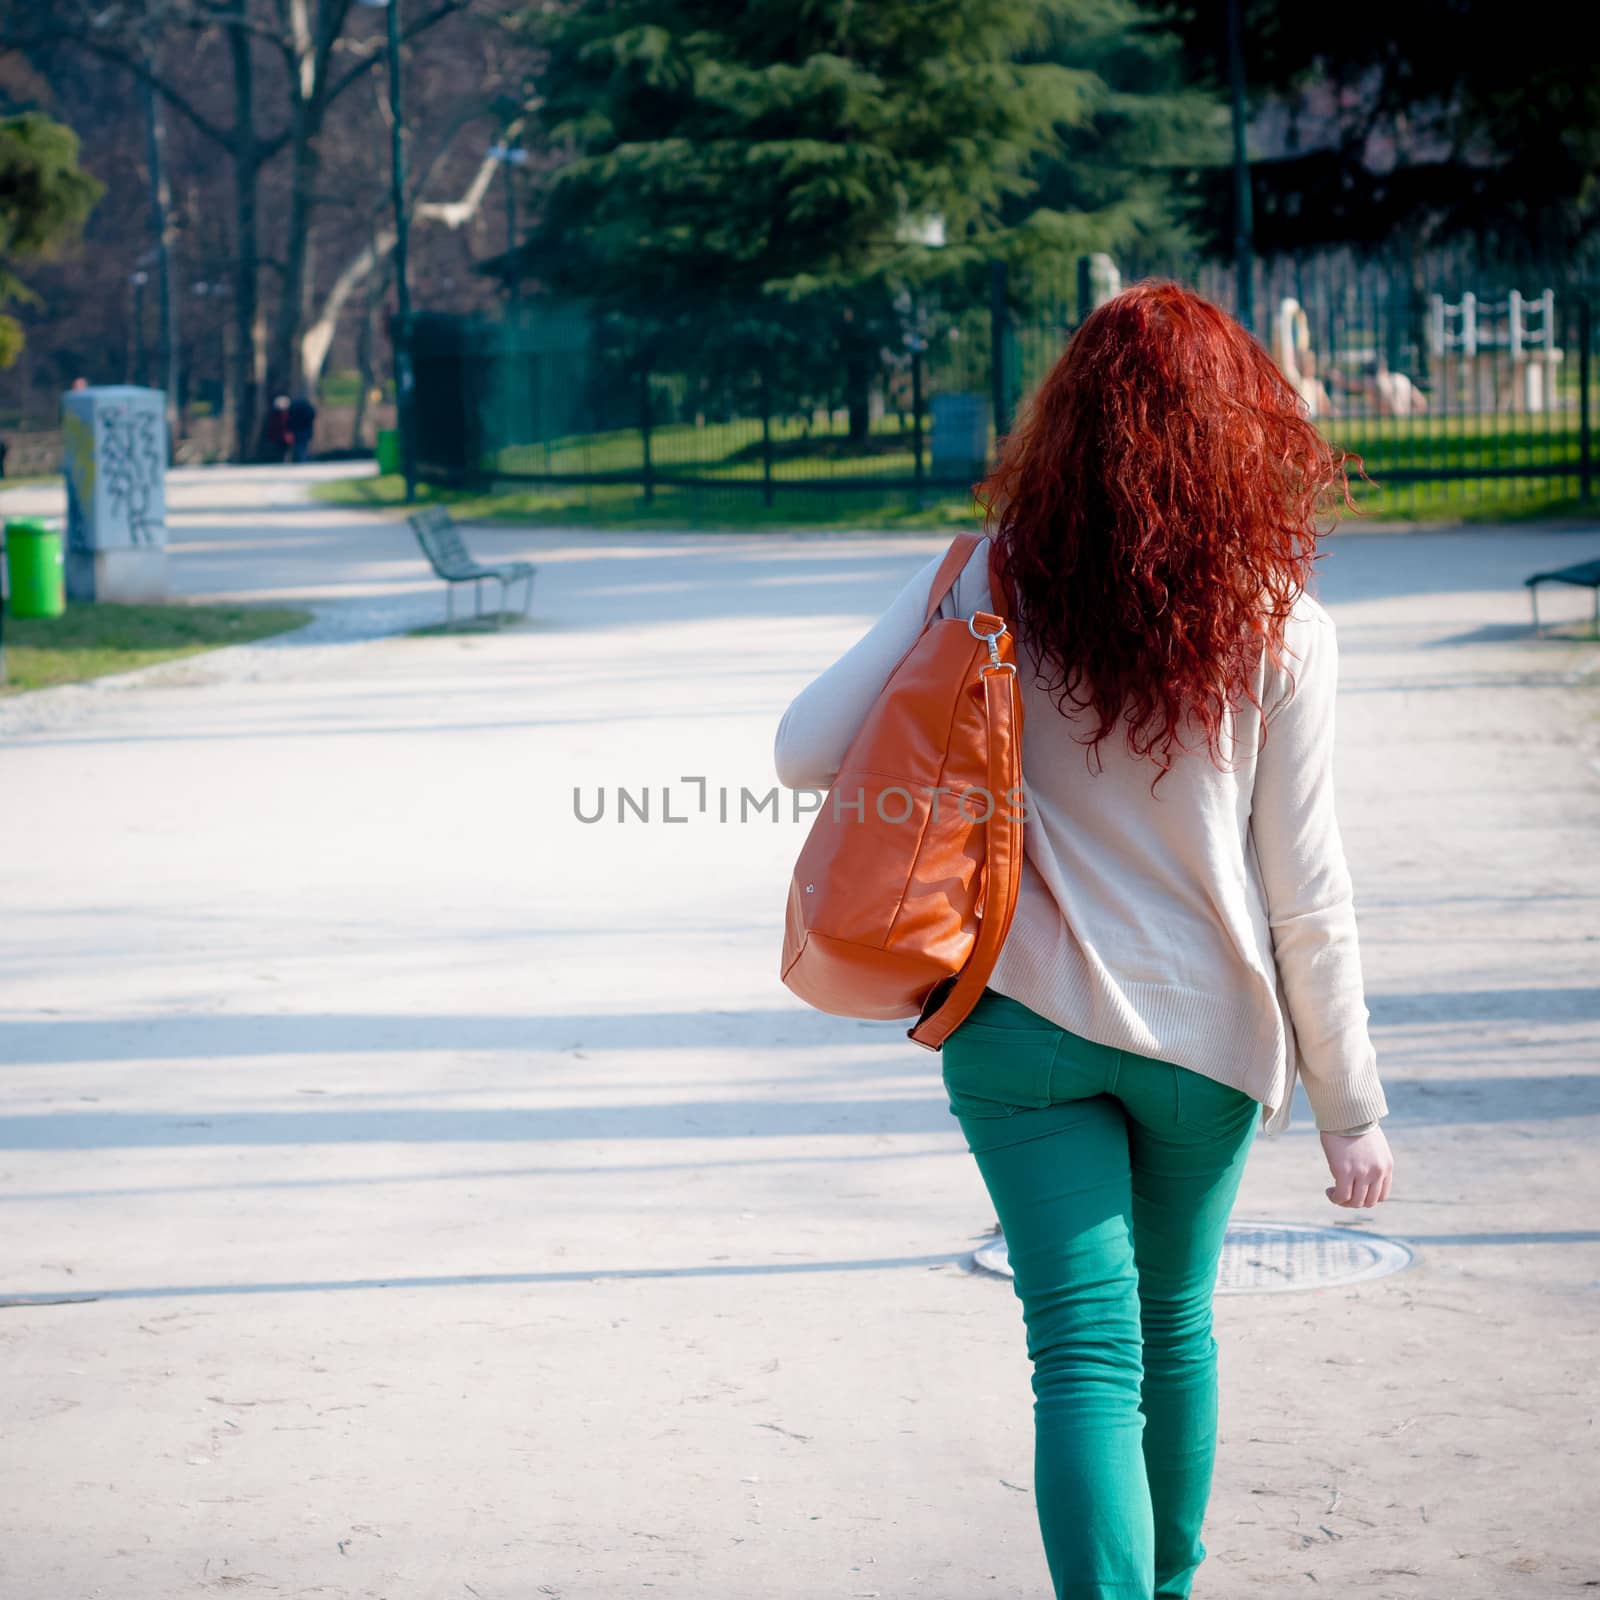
<point>1347,1099</point>
<point>1354,1133</point>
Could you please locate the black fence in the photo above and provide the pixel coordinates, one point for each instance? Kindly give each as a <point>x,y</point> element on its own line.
<point>1455,375</point>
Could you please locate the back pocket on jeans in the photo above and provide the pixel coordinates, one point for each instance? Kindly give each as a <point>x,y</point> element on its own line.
<point>1205,1105</point>
<point>994,1072</point>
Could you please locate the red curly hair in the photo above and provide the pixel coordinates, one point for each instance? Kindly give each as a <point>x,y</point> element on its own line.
<point>1155,513</point>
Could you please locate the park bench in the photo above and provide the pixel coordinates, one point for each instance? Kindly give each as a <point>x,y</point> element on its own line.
<point>1585,575</point>
<point>450,559</point>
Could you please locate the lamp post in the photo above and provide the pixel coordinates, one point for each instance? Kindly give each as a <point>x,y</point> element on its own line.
<point>404,384</point>
<point>202,290</point>
<point>510,156</point>
<point>139,363</point>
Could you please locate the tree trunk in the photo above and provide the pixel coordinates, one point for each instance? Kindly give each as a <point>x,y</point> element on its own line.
<point>317,339</point>
<point>366,342</point>
<point>167,367</point>
<point>858,392</point>
<point>320,327</point>
<point>358,421</point>
<point>246,392</point>
<point>314,31</point>
<point>284,374</point>
<point>227,426</point>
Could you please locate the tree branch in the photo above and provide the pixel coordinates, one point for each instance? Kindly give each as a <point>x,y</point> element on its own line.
<point>302,52</point>
<point>317,339</point>
<point>359,69</point>
<point>333,21</point>
<point>145,74</point>
<point>127,55</point>
<point>455,214</point>
<point>206,19</point>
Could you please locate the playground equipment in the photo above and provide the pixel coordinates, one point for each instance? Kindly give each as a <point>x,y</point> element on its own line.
<point>1099,280</point>
<point>1291,349</point>
<point>1379,391</point>
<point>1495,355</point>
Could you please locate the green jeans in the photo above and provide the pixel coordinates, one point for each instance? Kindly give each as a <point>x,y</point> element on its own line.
<point>1112,1175</point>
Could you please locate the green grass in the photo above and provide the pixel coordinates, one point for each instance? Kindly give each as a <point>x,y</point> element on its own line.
<point>726,450</point>
<point>90,641</point>
<point>1461,436</point>
<point>1474,501</point>
<point>342,388</point>
<point>681,509</point>
<point>1463,443</point>
<point>732,453</point>
<point>737,510</point>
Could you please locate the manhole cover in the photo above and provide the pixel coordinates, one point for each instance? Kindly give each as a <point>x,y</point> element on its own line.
<point>1265,1257</point>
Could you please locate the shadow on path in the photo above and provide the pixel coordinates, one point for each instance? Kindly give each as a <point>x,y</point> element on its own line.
<point>1530,1097</point>
<point>240,1035</point>
<point>774,1269</point>
<point>473,1280</point>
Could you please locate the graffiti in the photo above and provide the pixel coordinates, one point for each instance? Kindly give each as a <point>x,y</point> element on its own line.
<point>132,463</point>
<point>115,465</point>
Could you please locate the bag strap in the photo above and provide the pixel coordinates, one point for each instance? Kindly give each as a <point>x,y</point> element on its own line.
<point>951,1003</point>
<point>954,564</point>
<point>951,568</point>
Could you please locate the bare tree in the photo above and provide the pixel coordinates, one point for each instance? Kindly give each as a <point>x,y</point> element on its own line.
<point>317,336</point>
<point>156,41</point>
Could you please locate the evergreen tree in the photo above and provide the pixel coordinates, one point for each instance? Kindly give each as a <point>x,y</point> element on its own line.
<point>1124,176</point>
<point>794,180</point>
<point>724,149</point>
<point>44,197</point>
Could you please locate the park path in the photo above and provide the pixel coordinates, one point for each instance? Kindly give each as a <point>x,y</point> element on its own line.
<point>446,1200</point>
<point>257,533</point>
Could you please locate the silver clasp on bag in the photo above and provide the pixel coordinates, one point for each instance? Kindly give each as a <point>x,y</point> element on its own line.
<point>994,664</point>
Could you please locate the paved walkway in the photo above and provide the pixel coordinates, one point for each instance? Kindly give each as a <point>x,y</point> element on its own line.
<point>466,1211</point>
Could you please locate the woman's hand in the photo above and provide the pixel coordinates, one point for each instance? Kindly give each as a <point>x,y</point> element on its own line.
<point>1362,1167</point>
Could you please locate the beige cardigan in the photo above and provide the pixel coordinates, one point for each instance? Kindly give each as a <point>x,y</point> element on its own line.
<point>1210,924</point>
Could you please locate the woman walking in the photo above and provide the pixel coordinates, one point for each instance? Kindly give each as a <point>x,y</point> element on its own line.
<point>1184,945</point>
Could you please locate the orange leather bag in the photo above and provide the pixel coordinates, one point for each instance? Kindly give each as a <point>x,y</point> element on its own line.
<point>907,884</point>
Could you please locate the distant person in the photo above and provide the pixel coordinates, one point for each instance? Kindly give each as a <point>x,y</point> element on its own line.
<point>302,424</point>
<point>5,450</point>
<point>1184,946</point>
<point>80,383</point>
<point>277,430</point>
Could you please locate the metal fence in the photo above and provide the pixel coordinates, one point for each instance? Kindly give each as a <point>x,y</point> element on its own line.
<point>1455,375</point>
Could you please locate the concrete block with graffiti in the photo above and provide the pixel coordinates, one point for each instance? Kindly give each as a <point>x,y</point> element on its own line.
<point>114,458</point>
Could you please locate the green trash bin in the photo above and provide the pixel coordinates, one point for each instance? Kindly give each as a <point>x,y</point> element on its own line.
<point>389,451</point>
<point>35,570</point>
